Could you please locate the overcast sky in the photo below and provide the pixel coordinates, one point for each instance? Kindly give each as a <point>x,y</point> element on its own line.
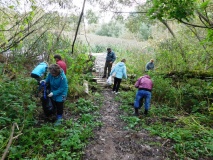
<point>24,6</point>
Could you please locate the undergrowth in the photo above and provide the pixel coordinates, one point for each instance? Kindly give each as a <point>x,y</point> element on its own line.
<point>41,140</point>
<point>189,130</point>
<point>24,128</point>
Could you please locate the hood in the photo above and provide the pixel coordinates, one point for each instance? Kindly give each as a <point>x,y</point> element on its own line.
<point>120,64</point>
<point>146,76</point>
<point>43,63</point>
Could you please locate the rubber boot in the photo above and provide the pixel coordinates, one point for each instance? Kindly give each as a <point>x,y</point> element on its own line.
<point>136,112</point>
<point>145,111</point>
<point>58,121</point>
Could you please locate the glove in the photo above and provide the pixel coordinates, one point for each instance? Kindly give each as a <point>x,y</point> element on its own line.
<point>50,95</point>
<point>42,81</point>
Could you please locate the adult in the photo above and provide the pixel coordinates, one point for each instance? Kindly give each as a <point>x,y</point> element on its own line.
<point>144,85</point>
<point>58,89</point>
<point>110,58</point>
<point>150,65</point>
<point>119,72</point>
<point>39,71</point>
<point>61,63</point>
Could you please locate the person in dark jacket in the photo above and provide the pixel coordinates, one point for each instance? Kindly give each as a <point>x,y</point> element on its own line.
<point>150,65</point>
<point>39,71</point>
<point>119,72</point>
<point>144,85</point>
<point>58,89</point>
<point>61,63</point>
<point>110,58</point>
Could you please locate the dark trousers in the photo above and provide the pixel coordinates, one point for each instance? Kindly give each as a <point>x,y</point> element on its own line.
<point>59,107</point>
<point>36,77</point>
<point>108,66</point>
<point>117,82</point>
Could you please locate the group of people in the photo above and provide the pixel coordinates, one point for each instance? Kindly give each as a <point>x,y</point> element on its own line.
<point>144,83</point>
<point>57,81</point>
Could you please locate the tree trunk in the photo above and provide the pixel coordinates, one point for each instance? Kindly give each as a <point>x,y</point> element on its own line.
<point>179,44</point>
<point>79,22</point>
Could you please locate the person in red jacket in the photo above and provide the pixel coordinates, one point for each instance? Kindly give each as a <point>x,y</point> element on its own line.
<point>61,63</point>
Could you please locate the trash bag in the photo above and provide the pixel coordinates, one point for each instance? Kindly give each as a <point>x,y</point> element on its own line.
<point>48,106</point>
<point>109,80</point>
<point>47,102</point>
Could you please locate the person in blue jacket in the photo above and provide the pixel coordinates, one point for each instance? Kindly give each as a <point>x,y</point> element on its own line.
<point>58,89</point>
<point>118,72</point>
<point>39,71</point>
<point>150,65</point>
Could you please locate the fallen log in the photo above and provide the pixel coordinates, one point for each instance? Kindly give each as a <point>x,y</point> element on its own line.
<point>205,75</point>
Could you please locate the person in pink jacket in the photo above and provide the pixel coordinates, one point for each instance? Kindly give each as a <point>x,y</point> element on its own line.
<point>144,85</point>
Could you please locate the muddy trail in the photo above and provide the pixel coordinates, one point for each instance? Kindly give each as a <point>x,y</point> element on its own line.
<point>113,142</point>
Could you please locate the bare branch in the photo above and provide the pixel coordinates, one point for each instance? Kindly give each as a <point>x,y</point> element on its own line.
<point>194,25</point>
<point>57,39</point>
<point>204,18</point>
<point>37,40</point>
<point>17,41</point>
<point>10,140</point>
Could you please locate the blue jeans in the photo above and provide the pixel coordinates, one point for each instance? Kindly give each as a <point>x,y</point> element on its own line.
<point>143,94</point>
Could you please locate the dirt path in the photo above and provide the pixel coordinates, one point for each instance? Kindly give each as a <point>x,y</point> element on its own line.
<point>113,142</point>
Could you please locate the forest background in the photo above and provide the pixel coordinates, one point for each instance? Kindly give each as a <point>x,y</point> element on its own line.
<point>178,35</point>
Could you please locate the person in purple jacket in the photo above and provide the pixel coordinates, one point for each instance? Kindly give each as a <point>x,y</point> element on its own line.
<point>144,85</point>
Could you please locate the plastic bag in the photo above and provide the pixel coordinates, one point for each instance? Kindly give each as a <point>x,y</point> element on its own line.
<point>48,105</point>
<point>114,74</point>
<point>109,80</point>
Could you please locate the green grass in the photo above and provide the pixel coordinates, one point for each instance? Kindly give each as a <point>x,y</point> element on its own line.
<point>190,134</point>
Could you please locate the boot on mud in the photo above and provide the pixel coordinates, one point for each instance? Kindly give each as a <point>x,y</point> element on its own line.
<point>136,112</point>
<point>145,111</point>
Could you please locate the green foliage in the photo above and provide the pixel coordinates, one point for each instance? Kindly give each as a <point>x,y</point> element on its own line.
<point>84,106</point>
<point>99,48</point>
<point>111,29</point>
<point>91,17</point>
<point>172,9</point>
<point>139,26</point>
<point>136,60</point>
<point>164,92</point>
<point>190,135</point>
<point>209,38</point>
<point>144,32</point>
<point>169,52</point>
<point>16,106</point>
<point>68,140</point>
<point>131,121</point>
